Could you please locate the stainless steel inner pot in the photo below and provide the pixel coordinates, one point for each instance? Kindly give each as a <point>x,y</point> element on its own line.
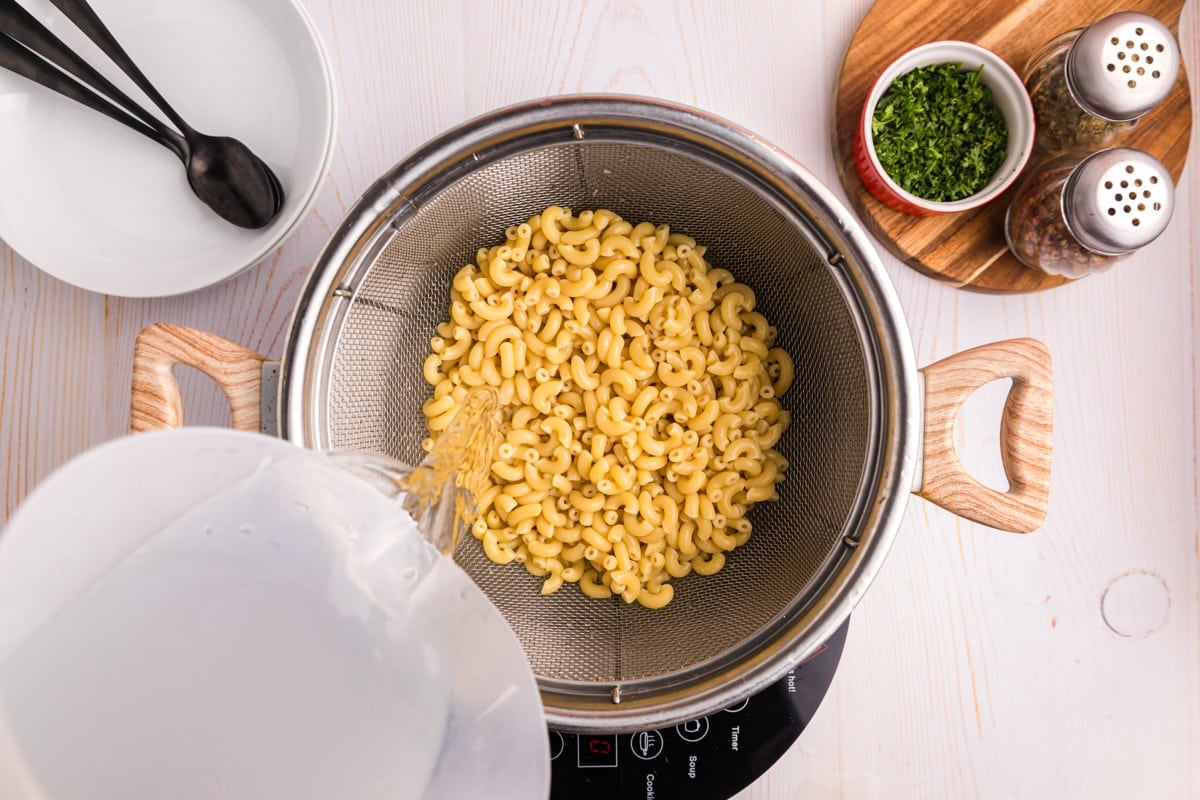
<point>351,379</point>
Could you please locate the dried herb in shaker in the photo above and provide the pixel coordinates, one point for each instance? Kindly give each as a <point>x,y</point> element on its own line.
<point>1061,123</point>
<point>1090,85</point>
<point>1077,215</point>
<point>1037,233</point>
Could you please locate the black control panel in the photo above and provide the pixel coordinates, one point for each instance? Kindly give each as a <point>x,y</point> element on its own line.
<point>711,758</point>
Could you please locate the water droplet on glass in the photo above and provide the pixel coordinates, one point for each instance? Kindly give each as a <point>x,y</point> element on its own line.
<point>246,529</point>
<point>302,506</point>
<point>408,574</point>
<point>208,530</point>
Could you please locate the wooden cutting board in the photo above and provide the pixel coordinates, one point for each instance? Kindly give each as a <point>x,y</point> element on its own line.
<point>968,249</point>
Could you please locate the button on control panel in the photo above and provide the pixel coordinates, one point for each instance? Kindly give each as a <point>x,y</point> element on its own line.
<point>693,730</point>
<point>646,745</point>
<point>557,744</point>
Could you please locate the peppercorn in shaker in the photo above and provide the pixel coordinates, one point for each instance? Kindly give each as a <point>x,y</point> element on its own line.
<point>1077,215</point>
<point>1089,85</point>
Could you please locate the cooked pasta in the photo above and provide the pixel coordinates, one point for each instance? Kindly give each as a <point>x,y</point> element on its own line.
<point>640,400</point>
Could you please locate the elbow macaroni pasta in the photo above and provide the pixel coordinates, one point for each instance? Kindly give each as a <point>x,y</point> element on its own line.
<point>640,402</point>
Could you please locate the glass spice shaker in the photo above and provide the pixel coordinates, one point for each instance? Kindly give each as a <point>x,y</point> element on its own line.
<point>1079,214</point>
<point>1091,84</point>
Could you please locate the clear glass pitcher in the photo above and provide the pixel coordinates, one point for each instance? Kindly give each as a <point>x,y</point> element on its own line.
<point>203,613</point>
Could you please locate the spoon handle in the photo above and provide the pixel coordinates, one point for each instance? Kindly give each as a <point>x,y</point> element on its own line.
<point>23,27</point>
<point>17,58</point>
<point>85,18</point>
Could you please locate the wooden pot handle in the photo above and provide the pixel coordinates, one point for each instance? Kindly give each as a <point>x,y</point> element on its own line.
<point>156,403</point>
<point>1026,429</point>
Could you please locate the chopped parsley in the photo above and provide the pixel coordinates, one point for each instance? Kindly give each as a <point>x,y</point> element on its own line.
<point>938,133</point>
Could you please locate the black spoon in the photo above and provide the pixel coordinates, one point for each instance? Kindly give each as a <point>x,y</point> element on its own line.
<point>211,153</point>
<point>19,59</point>
<point>222,172</point>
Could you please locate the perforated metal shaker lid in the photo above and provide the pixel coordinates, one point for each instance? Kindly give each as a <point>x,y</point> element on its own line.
<point>1118,200</point>
<point>1122,66</point>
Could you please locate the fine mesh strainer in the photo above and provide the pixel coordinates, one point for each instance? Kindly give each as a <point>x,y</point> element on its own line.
<point>351,378</point>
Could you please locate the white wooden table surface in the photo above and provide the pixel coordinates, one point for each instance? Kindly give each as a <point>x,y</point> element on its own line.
<point>980,664</point>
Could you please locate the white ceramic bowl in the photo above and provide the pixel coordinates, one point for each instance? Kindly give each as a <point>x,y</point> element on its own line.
<point>98,206</point>
<point>1010,96</point>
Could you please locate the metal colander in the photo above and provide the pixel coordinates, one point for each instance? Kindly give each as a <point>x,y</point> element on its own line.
<point>352,379</point>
